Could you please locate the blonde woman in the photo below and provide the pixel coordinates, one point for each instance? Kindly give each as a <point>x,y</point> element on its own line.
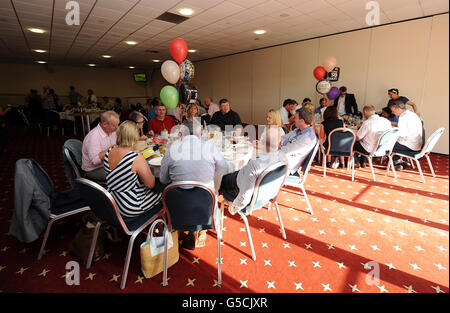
<point>128,175</point>
<point>273,118</point>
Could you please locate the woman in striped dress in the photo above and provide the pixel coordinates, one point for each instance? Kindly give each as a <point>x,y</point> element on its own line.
<point>128,175</point>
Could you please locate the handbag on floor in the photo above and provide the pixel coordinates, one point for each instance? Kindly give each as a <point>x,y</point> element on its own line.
<point>152,251</point>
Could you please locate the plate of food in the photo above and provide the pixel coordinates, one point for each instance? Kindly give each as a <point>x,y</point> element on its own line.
<point>155,161</point>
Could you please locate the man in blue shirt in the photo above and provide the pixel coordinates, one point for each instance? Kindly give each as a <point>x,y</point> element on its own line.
<point>297,144</point>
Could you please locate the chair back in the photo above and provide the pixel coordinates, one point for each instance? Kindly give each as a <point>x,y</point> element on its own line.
<point>72,156</point>
<point>42,178</point>
<point>386,142</point>
<point>431,142</point>
<point>306,166</point>
<point>101,202</point>
<point>189,205</point>
<point>268,186</point>
<point>340,142</point>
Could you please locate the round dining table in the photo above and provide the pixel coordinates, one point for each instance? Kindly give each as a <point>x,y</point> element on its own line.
<point>236,156</point>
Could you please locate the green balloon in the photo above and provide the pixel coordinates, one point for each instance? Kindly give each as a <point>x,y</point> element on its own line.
<point>169,97</point>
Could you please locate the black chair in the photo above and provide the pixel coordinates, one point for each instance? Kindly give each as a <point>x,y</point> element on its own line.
<point>299,180</point>
<point>72,156</point>
<point>340,143</point>
<point>190,205</point>
<point>105,209</point>
<point>64,203</point>
<point>267,188</point>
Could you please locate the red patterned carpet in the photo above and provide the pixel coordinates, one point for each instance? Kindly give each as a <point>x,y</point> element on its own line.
<point>402,225</point>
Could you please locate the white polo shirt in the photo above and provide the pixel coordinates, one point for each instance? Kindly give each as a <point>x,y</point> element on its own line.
<point>371,130</point>
<point>284,116</point>
<point>341,106</point>
<point>410,130</point>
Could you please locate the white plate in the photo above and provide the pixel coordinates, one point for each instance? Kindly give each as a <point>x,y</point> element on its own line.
<point>155,162</point>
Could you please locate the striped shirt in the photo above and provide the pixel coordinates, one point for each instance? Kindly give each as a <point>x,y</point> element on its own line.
<point>131,195</point>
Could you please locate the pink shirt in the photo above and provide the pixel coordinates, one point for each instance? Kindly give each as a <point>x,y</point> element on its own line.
<point>94,143</point>
<point>213,108</point>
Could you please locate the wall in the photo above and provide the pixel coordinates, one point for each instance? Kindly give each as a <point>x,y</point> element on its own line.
<point>17,79</point>
<point>411,56</point>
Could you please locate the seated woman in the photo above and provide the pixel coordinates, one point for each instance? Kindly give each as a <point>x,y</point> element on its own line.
<point>128,175</point>
<point>192,111</point>
<point>139,119</point>
<point>387,113</point>
<point>330,122</point>
<point>310,107</point>
<point>273,119</point>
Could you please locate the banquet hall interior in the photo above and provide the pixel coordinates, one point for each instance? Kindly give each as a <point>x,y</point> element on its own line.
<point>366,232</point>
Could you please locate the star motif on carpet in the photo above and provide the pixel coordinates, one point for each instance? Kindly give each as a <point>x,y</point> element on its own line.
<point>242,244</point>
<point>354,288</point>
<point>22,270</point>
<point>2,267</point>
<point>64,253</point>
<point>267,263</point>
<point>216,284</point>
<point>115,278</point>
<point>410,289</point>
<point>270,284</point>
<point>391,266</point>
<point>316,264</point>
<point>44,272</point>
<point>191,282</point>
<point>437,289</point>
<point>90,276</point>
<point>341,264</point>
<point>292,264</point>
<point>139,279</point>
<point>106,256</point>
<point>298,286</point>
<point>286,246</point>
<point>326,287</point>
<point>243,283</point>
<point>308,246</point>
<point>196,260</point>
<point>382,289</point>
<point>439,267</point>
<point>243,261</point>
<point>264,245</point>
<point>415,266</point>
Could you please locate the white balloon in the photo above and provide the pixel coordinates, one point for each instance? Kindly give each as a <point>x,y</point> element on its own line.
<point>170,71</point>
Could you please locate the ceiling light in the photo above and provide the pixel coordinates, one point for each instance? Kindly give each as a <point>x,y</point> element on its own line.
<point>106,56</point>
<point>91,64</point>
<point>156,61</point>
<point>186,11</point>
<point>131,42</point>
<point>192,50</point>
<point>39,51</point>
<point>41,62</point>
<point>130,66</point>
<point>36,30</point>
<point>259,31</point>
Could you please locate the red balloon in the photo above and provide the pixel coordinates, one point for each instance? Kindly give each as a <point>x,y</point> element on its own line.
<point>178,49</point>
<point>319,73</point>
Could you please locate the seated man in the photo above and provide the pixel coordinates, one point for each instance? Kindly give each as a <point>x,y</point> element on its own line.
<point>298,143</point>
<point>409,132</point>
<point>96,143</point>
<point>194,159</point>
<point>161,121</point>
<point>241,184</point>
<point>225,116</point>
<point>369,133</point>
<point>286,110</point>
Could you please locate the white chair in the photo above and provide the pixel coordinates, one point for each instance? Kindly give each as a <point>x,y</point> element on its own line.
<point>299,181</point>
<point>417,156</point>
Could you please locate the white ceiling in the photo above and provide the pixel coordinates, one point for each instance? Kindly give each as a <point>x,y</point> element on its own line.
<point>217,28</point>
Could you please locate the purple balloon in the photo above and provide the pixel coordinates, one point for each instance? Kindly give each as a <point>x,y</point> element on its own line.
<point>333,93</point>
